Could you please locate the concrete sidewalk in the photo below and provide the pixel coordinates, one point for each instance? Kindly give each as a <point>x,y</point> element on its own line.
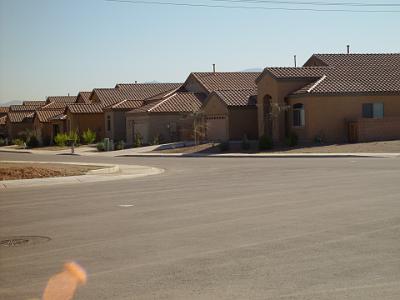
<point>108,172</point>
<point>150,152</point>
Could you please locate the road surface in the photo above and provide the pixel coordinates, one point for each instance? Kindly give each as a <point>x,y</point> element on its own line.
<point>212,228</point>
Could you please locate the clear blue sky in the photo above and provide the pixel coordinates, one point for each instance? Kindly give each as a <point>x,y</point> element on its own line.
<point>55,47</point>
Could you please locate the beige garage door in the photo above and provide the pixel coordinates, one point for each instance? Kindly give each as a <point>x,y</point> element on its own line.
<point>217,128</point>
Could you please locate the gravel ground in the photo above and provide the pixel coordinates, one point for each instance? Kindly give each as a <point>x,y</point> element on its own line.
<point>12,171</point>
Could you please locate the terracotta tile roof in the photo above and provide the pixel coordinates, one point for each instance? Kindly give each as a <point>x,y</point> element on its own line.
<point>238,98</point>
<point>297,73</point>
<point>142,91</point>
<point>55,105</point>
<point>179,102</point>
<point>3,120</point>
<point>34,103</point>
<point>20,116</point>
<point>227,80</point>
<point>108,96</point>
<point>4,109</point>
<point>346,74</point>
<point>135,91</point>
<point>128,104</point>
<point>80,108</point>
<point>23,108</point>
<point>65,99</point>
<point>85,96</point>
<point>45,116</point>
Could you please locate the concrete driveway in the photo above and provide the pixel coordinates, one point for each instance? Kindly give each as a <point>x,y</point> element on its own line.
<point>213,228</point>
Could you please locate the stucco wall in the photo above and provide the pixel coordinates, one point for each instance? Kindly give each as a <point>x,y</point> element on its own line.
<point>243,121</point>
<point>14,129</point>
<point>81,122</point>
<point>43,132</point>
<point>277,91</point>
<point>378,129</point>
<point>169,127</point>
<point>328,116</point>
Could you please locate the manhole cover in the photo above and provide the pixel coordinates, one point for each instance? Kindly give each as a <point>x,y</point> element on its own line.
<point>19,241</point>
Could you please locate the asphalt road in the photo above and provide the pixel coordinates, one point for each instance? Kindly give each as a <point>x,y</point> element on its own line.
<point>213,228</point>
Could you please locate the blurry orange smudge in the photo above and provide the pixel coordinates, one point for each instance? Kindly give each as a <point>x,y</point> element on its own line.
<point>62,286</point>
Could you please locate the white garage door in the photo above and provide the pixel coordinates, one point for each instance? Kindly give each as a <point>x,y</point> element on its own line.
<point>217,128</point>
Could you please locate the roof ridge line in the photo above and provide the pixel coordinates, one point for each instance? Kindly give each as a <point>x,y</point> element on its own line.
<point>161,102</point>
<point>316,84</point>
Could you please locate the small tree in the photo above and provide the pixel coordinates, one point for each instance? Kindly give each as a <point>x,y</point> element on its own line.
<point>89,136</point>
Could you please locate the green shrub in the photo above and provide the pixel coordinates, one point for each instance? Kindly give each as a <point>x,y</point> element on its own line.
<point>89,136</point>
<point>224,146</point>
<point>18,142</point>
<point>2,142</point>
<point>73,137</point>
<point>61,139</point>
<point>101,147</point>
<point>245,143</point>
<point>120,145</point>
<point>138,140</point>
<point>265,143</point>
<point>32,142</point>
<point>292,140</point>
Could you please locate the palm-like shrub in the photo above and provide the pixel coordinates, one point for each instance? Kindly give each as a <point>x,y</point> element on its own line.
<point>61,139</point>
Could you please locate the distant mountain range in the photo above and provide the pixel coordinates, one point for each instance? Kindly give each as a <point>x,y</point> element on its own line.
<point>253,70</point>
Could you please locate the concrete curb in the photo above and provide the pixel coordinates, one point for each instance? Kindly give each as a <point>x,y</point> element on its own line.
<point>275,155</point>
<point>109,173</point>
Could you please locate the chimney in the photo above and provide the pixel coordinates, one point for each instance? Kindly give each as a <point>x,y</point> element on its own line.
<point>68,94</point>
<point>213,68</point>
<point>295,61</point>
<point>348,49</point>
<point>135,81</point>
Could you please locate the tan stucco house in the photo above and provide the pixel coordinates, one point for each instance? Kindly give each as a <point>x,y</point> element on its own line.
<point>43,126</point>
<point>333,98</point>
<point>126,97</point>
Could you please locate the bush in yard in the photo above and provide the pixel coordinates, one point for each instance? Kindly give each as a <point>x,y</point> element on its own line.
<point>265,143</point>
<point>73,137</point>
<point>224,146</point>
<point>245,143</point>
<point>2,142</point>
<point>101,147</point>
<point>120,145</point>
<point>32,142</point>
<point>292,140</point>
<point>138,140</point>
<point>61,139</point>
<point>89,136</point>
<point>18,142</point>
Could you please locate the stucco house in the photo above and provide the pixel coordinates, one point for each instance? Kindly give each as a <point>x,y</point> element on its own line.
<point>43,127</point>
<point>20,119</point>
<point>126,97</point>
<point>230,110</point>
<point>80,117</point>
<point>168,119</point>
<point>333,98</point>
<point>223,102</point>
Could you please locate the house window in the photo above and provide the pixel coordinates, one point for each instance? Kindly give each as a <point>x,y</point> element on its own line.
<point>298,115</point>
<point>108,123</point>
<point>373,110</point>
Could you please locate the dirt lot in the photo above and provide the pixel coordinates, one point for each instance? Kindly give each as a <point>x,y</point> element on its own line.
<point>373,147</point>
<point>11,171</point>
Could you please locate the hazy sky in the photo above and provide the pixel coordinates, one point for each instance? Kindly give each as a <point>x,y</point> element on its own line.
<point>56,47</point>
